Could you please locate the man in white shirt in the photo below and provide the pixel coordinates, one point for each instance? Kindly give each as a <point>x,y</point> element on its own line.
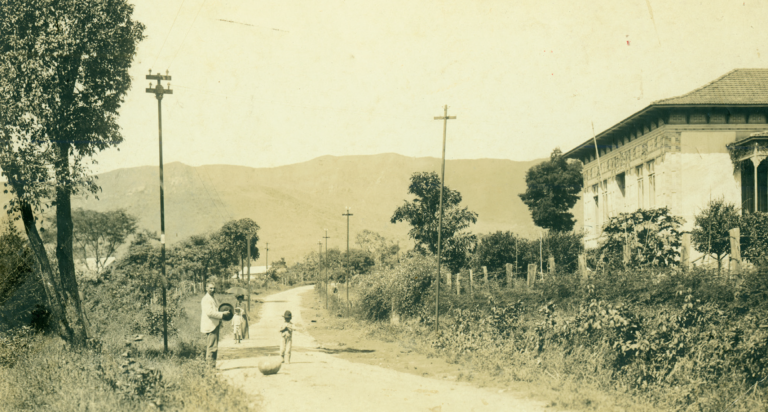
<point>210,322</point>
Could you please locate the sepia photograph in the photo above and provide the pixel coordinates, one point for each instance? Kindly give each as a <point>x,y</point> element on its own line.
<point>433,206</point>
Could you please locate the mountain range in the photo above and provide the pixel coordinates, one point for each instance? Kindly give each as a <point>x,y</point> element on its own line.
<point>293,204</point>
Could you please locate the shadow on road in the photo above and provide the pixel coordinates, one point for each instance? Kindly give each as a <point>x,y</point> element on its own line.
<point>345,350</point>
<point>240,353</point>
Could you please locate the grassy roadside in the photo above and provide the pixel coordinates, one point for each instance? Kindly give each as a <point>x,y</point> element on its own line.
<point>407,348</point>
<point>41,372</point>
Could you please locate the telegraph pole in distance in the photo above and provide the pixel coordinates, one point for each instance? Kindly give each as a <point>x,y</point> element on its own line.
<point>159,91</point>
<point>319,256</point>
<point>326,268</point>
<point>347,215</point>
<point>248,245</point>
<point>445,119</point>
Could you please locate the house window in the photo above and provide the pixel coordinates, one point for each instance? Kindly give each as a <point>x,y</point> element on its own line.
<point>621,182</point>
<point>651,184</point>
<point>639,174</point>
<point>596,198</point>
<point>748,187</point>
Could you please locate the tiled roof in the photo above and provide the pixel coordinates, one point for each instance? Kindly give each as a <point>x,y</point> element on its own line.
<point>739,86</point>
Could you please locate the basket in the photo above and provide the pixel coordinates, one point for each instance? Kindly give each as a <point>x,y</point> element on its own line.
<point>270,365</point>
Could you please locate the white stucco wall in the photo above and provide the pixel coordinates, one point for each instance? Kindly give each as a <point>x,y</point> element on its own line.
<point>706,172</point>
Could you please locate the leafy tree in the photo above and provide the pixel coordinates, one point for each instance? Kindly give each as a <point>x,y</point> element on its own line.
<point>423,213</point>
<point>383,251</point>
<point>495,250</point>
<point>652,237</point>
<point>710,235</point>
<point>360,261</point>
<point>98,234</point>
<point>63,76</point>
<point>234,240</point>
<point>553,189</point>
<point>201,255</point>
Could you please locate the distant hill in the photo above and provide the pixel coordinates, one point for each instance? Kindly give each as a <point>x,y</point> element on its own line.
<point>294,203</point>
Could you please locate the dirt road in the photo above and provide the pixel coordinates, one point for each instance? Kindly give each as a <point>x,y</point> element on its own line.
<point>318,381</point>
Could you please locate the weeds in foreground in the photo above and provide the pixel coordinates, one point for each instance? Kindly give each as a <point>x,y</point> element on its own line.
<point>633,340</point>
<point>40,372</point>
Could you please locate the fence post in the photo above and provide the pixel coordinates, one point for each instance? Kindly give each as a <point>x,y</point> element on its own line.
<point>510,276</point>
<point>685,252</point>
<point>448,278</point>
<point>735,250</point>
<point>485,274</point>
<point>583,266</point>
<point>471,282</point>
<point>458,283</point>
<point>532,269</point>
<point>551,265</point>
<point>627,254</point>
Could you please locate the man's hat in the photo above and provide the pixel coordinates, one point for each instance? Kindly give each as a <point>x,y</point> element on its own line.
<point>287,314</point>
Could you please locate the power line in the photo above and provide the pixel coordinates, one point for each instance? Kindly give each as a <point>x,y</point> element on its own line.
<point>187,34</point>
<point>169,33</point>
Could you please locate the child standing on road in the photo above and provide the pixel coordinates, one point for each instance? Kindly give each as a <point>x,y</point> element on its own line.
<point>237,324</point>
<point>286,337</point>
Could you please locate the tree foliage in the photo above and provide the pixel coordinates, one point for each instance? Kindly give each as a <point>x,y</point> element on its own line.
<point>16,262</point>
<point>233,238</point>
<point>383,250</point>
<point>497,249</point>
<point>552,190</point>
<point>710,234</point>
<point>754,237</point>
<point>651,236</point>
<point>63,76</point>
<point>98,234</point>
<point>423,212</point>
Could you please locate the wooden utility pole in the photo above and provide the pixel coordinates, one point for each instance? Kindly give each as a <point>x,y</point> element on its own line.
<point>319,256</point>
<point>347,215</point>
<point>248,246</point>
<point>445,119</point>
<point>159,91</point>
<point>326,268</point>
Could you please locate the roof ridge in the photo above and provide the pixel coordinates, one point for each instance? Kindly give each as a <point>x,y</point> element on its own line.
<point>702,87</point>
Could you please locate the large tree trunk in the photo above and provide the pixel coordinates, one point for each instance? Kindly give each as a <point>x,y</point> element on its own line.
<point>51,285</point>
<point>64,250</point>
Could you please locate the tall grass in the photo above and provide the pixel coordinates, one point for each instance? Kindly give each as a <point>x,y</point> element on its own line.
<point>41,372</point>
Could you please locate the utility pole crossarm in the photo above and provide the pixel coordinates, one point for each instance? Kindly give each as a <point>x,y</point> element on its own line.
<point>159,90</point>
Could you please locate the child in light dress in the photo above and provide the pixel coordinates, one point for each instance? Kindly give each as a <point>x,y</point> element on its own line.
<point>286,337</point>
<point>237,324</point>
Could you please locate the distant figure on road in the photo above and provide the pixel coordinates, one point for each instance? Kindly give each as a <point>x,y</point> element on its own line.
<point>244,327</point>
<point>210,322</point>
<point>237,324</point>
<point>286,337</point>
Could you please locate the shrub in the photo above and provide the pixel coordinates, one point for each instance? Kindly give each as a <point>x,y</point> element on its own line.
<point>754,237</point>
<point>651,236</point>
<point>401,289</point>
<point>710,235</point>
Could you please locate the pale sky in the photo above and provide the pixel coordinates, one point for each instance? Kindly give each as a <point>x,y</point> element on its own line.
<point>293,80</point>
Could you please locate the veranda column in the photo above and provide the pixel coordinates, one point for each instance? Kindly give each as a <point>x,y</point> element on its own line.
<point>756,160</point>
